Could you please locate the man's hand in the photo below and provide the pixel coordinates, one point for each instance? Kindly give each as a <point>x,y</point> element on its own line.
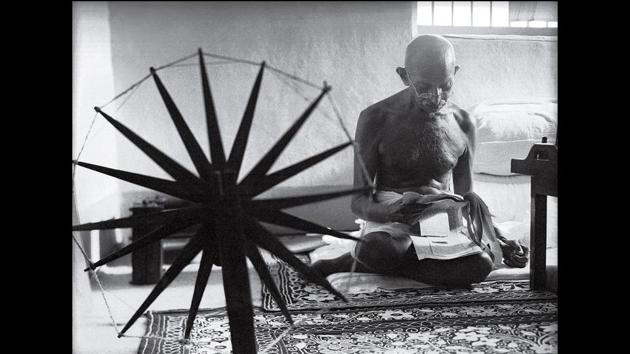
<point>515,254</point>
<point>412,205</point>
<point>406,209</point>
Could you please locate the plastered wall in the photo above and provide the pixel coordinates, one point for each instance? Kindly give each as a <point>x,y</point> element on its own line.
<point>354,46</point>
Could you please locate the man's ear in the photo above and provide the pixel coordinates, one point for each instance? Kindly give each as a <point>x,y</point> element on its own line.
<point>403,75</point>
<point>456,69</point>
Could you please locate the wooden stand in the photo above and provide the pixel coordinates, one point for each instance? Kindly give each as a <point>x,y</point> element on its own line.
<point>542,165</point>
<point>235,276</point>
<point>146,263</point>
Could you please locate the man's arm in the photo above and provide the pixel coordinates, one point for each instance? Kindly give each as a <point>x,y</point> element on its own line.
<point>367,137</point>
<point>514,253</point>
<point>462,172</point>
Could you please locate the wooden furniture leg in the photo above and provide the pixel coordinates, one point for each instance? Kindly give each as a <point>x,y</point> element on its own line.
<point>542,165</point>
<point>146,263</point>
<point>538,242</point>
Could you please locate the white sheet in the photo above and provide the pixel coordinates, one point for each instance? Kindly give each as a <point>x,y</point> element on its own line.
<point>367,282</point>
<point>507,129</point>
<point>508,198</point>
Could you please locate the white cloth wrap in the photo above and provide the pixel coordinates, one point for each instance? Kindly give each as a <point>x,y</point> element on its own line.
<point>456,244</point>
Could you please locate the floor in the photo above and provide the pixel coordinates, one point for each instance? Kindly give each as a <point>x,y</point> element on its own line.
<point>96,334</point>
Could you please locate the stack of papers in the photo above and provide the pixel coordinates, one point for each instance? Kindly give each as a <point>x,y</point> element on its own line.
<point>453,245</point>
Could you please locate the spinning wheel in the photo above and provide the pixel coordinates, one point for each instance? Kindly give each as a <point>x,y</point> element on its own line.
<point>227,211</point>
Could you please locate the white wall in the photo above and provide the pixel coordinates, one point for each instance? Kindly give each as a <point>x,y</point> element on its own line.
<point>97,195</point>
<point>355,46</point>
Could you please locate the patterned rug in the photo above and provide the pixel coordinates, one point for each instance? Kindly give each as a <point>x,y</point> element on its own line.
<point>301,295</point>
<point>500,327</point>
<point>493,317</point>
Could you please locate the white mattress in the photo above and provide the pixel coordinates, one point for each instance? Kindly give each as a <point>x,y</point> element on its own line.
<point>354,283</point>
<point>507,197</point>
<point>366,282</point>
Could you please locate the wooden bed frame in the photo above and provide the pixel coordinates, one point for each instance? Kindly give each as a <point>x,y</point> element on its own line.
<point>542,165</point>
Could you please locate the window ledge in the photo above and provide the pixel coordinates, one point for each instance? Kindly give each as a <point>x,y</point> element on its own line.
<point>503,37</point>
<point>469,30</point>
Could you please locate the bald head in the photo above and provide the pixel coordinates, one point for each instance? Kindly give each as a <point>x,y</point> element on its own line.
<point>430,55</point>
<point>429,71</point>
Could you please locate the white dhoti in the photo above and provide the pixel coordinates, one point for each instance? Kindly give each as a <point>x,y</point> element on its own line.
<point>453,243</point>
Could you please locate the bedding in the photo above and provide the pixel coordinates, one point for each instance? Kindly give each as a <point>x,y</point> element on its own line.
<point>507,129</point>
<point>356,283</point>
<point>508,198</point>
<point>366,282</point>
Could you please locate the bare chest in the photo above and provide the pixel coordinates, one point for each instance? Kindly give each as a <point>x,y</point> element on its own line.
<point>416,150</point>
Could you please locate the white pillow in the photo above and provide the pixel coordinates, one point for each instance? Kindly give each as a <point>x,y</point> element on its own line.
<point>507,197</point>
<point>507,129</point>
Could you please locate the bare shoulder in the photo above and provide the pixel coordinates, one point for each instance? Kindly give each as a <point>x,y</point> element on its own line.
<point>372,117</point>
<point>375,116</point>
<point>464,119</point>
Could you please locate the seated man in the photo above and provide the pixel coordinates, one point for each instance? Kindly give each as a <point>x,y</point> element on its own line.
<point>410,144</point>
